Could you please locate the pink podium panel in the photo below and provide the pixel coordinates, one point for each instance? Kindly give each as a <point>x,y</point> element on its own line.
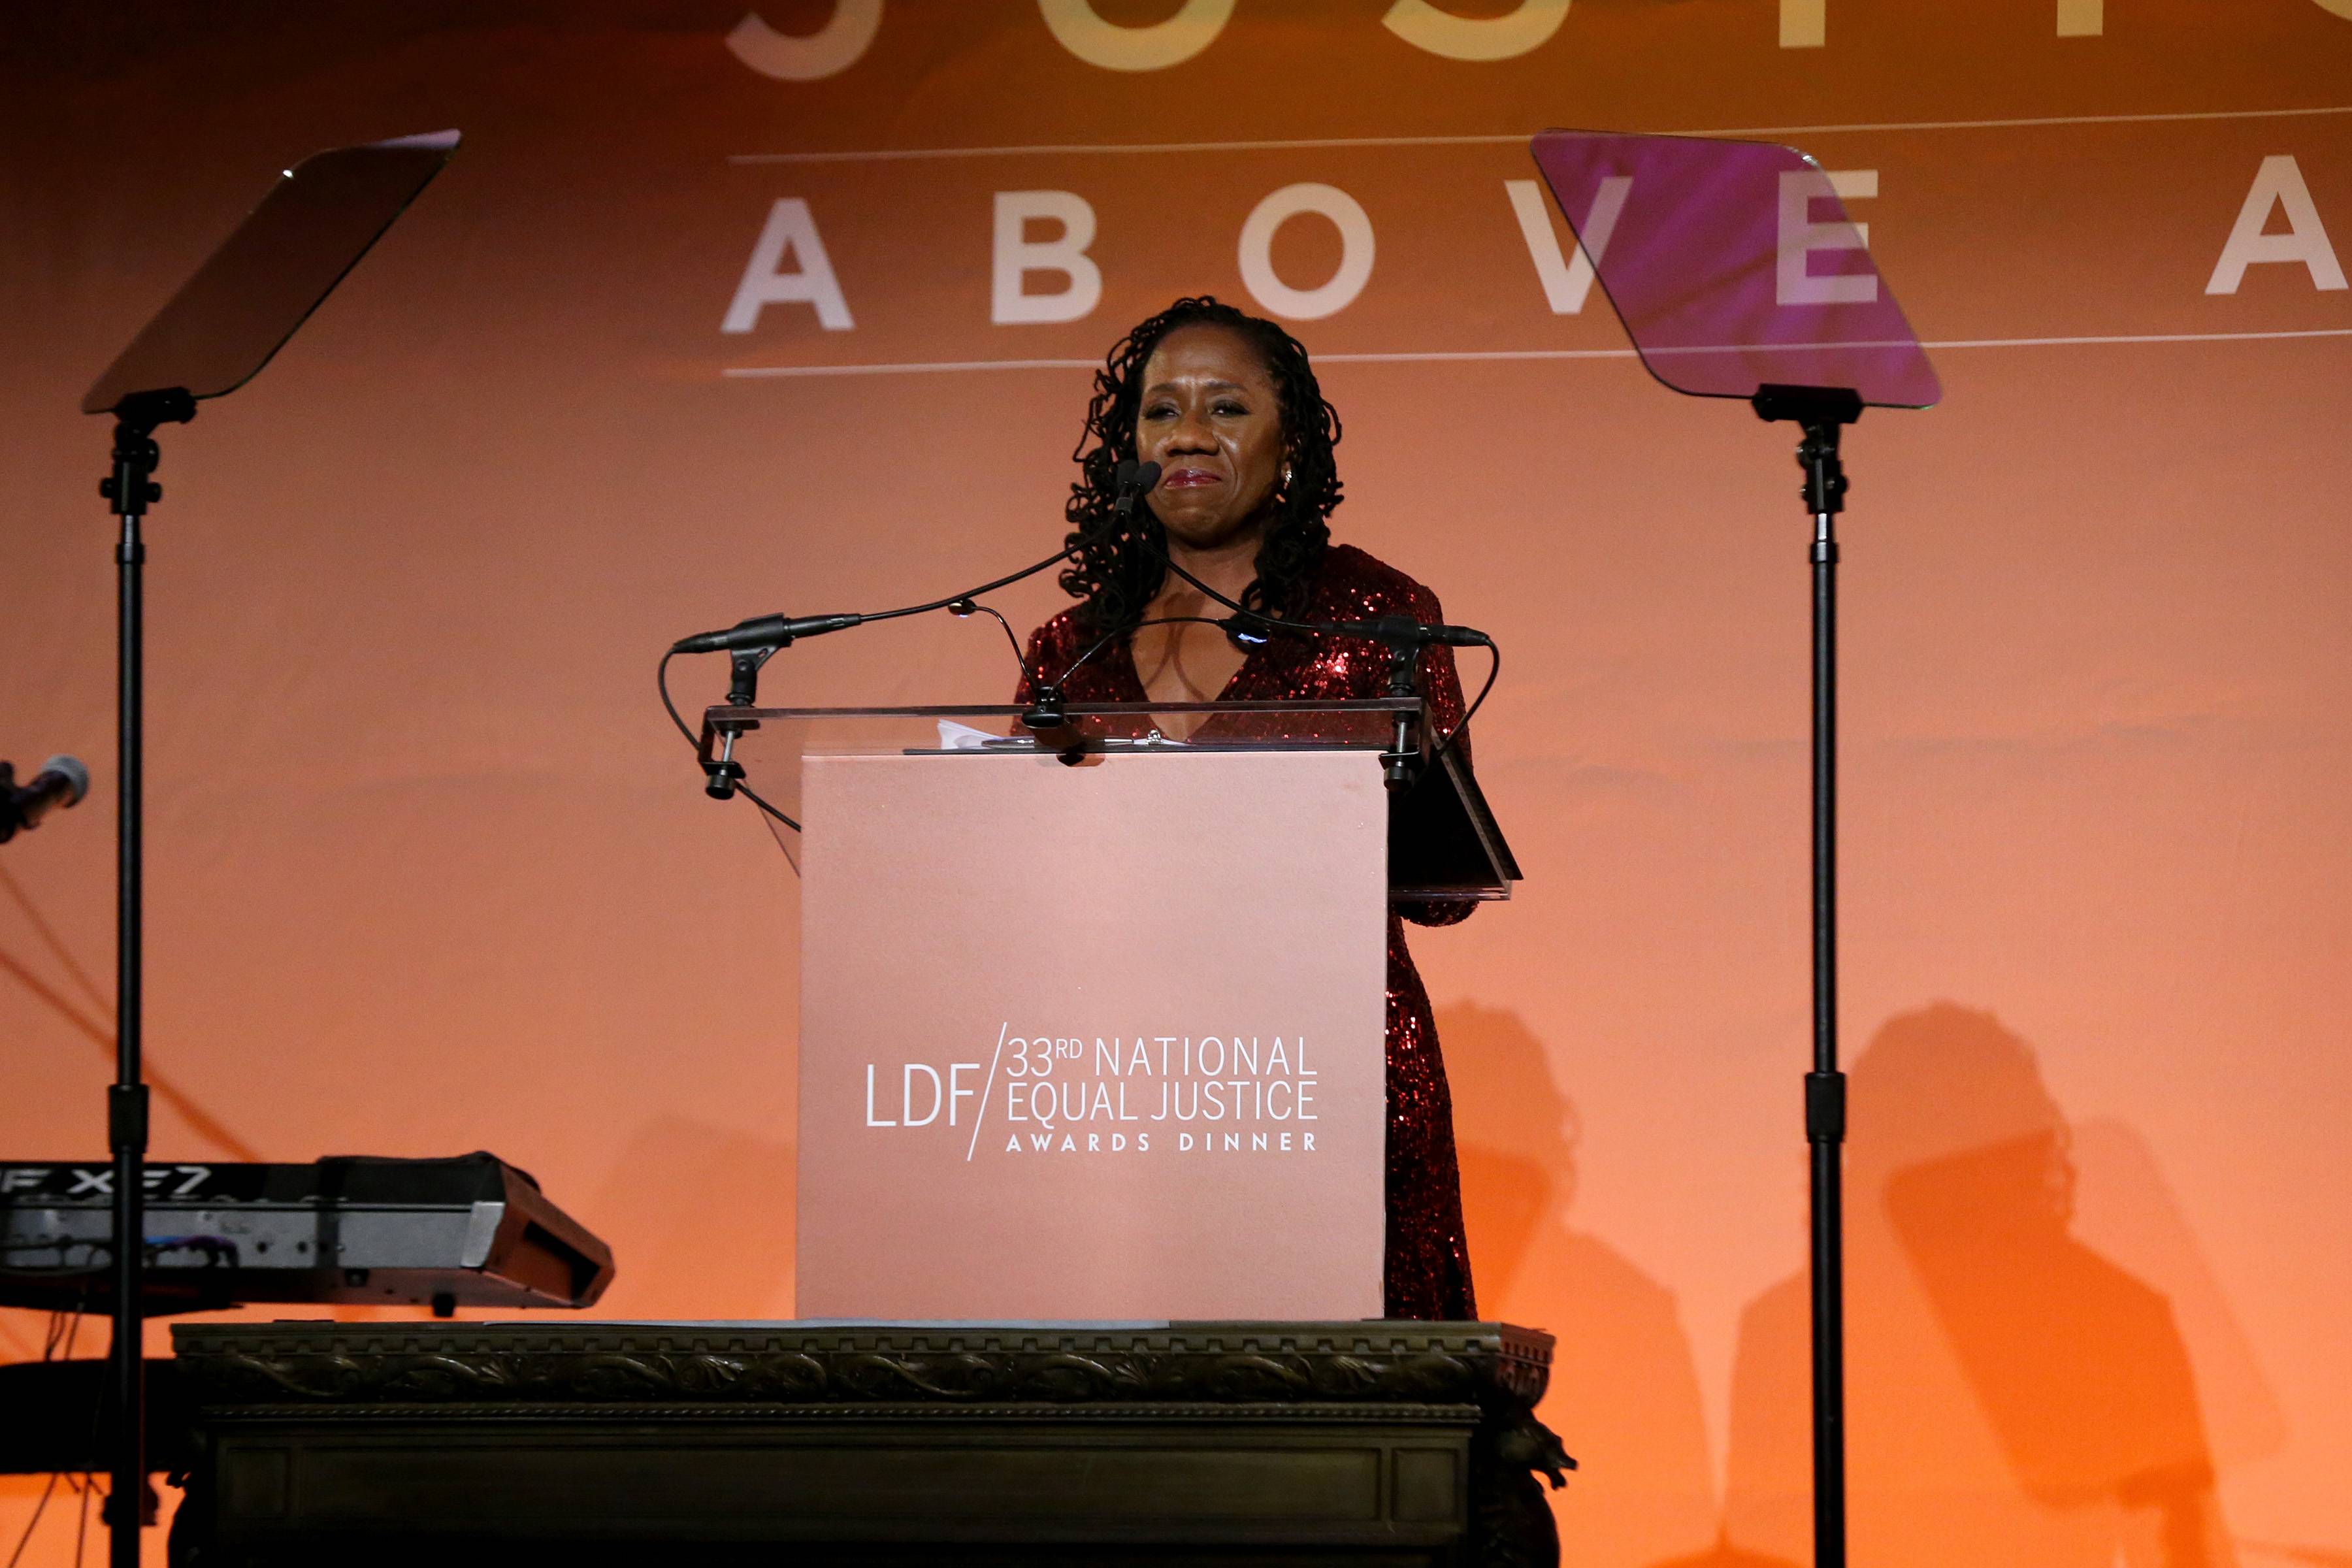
<point>1092,1042</point>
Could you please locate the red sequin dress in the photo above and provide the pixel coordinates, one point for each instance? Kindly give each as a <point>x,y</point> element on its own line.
<point>1428,1265</point>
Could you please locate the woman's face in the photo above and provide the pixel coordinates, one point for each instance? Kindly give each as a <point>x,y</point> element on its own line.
<point>1211,420</point>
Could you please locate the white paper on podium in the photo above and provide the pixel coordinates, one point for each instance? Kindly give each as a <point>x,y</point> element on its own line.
<point>1095,1042</point>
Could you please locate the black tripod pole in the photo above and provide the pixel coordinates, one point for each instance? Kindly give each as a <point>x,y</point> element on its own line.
<point>130,490</point>
<point>1823,413</point>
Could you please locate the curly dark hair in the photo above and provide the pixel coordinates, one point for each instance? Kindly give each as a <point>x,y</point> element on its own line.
<point>1117,574</point>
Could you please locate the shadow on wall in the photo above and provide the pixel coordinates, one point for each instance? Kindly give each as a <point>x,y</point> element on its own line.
<point>700,1221</point>
<point>2014,1394</point>
<point>1625,1394</point>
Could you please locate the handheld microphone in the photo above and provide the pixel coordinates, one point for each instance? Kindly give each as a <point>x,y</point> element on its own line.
<point>62,782</point>
<point>764,631</point>
<point>1135,481</point>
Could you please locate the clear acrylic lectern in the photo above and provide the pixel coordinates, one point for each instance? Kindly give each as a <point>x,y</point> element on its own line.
<point>1443,842</point>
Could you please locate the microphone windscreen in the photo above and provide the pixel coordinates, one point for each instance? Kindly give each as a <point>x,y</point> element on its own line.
<point>1146,475</point>
<point>74,772</point>
<point>1126,475</point>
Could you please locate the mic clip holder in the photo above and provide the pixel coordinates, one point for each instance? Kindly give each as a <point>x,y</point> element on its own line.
<point>743,666</point>
<point>1047,718</point>
<point>1047,711</point>
<point>1401,764</point>
<point>722,773</point>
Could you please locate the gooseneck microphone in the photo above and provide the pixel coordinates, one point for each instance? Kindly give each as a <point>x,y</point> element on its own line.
<point>1404,637</point>
<point>751,643</point>
<point>1135,481</point>
<point>1132,481</point>
<point>768,632</point>
<point>764,632</point>
<point>61,783</point>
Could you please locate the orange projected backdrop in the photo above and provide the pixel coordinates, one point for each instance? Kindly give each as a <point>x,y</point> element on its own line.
<point>716,314</point>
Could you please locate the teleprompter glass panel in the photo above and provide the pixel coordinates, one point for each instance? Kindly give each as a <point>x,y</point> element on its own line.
<point>1733,266</point>
<point>249,296</point>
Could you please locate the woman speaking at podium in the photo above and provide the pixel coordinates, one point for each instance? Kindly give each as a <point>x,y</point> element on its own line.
<point>1228,405</point>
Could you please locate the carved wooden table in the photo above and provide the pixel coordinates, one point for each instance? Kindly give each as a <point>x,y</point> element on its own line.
<point>1059,1443</point>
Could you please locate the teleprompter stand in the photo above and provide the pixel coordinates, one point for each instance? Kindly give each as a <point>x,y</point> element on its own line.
<point>226,322</point>
<point>1733,284</point>
<point>1822,414</point>
<point>128,488</point>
